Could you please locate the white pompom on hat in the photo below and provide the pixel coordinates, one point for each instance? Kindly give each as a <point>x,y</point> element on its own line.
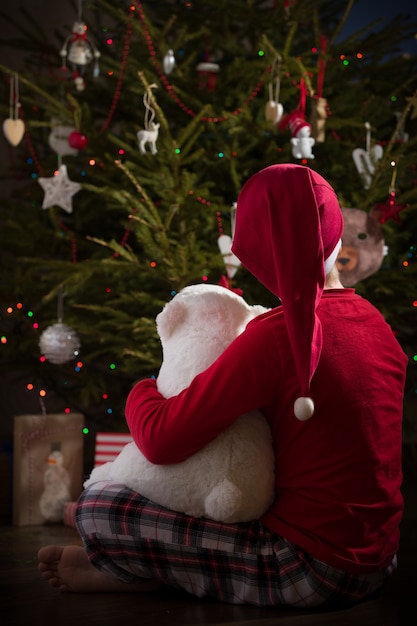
<point>288,225</point>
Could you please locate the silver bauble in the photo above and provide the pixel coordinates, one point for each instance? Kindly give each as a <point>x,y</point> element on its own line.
<point>59,343</point>
<point>169,62</point>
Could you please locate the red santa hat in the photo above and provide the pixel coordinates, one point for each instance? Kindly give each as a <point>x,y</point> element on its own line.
<point>295,121</point>
<point>287,234</point>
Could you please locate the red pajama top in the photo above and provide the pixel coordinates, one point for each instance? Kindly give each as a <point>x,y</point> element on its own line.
<point>338,475</point>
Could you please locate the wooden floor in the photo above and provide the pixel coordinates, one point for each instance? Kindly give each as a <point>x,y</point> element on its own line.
<point>27,600</point>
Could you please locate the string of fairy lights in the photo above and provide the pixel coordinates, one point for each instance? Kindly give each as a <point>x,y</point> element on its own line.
<point>137,9</point>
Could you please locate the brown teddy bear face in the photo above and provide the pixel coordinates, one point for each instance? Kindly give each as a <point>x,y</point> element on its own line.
<point>363,247</point>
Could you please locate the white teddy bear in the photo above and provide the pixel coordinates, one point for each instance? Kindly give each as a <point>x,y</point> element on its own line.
<point>232,478</point>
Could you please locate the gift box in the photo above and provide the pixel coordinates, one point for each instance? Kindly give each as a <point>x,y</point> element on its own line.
<point>109,446</point>
<point>48,459</point>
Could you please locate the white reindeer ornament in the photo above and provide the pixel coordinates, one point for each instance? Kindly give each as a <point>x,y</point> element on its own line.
<point>148,137</point>
<point>149,134</point>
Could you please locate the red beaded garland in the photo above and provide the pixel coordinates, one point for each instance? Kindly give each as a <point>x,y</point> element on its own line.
<point>169,87</point>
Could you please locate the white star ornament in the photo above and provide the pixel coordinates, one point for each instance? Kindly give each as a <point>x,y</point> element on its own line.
<point>59,190</point>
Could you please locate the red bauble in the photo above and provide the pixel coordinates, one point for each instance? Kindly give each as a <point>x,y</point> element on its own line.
<point>77,140</point>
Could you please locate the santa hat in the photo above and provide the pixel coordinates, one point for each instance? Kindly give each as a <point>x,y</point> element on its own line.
<point>287,234</point>
<point>295,122</point>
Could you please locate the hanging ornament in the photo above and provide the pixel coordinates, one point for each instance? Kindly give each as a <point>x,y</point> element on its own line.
<point>79,51</point>
<point>207,75</point>
<point>224,242</point>
<point>318,119</point>
<point>59,190</point>
<point>77,140</point>
<point>365,160</point>
<point>169,62</point>
<point>231,261</point>
<point>58,138</point>
<point>401,135</point>
<point>149,134</point>
<point>319,107</point>
<point>301,140</point>
<point>13,127</point>
<point>273,108</point>
<point>59,343</point>
<point>390,210</point>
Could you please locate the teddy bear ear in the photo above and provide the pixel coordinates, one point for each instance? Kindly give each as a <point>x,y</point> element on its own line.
<point>170,317</point>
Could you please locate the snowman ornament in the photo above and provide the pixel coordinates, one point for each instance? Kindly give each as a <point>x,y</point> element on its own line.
<point>301,141</point>
<point>79,51</point>
<point>56,491</point>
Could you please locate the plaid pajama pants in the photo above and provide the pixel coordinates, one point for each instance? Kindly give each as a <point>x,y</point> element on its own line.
<point>130,537</point>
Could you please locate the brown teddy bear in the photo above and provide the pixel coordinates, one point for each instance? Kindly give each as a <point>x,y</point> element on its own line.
<point>363,247</point>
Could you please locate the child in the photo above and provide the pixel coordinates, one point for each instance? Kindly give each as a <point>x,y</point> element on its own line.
<point>328,374</point>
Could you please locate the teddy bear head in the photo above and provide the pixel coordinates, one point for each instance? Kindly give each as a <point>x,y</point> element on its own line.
<point>195,327</point>
<point>363,247</point>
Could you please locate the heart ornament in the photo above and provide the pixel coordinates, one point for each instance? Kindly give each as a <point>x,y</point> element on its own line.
<point>273,111</point>
<point>231,261</point>
<point>13,130</point>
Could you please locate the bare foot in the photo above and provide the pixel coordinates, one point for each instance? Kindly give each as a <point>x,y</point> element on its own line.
<point>68,569</point>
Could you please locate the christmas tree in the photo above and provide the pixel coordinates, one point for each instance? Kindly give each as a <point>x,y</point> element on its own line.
<point>130,140</point>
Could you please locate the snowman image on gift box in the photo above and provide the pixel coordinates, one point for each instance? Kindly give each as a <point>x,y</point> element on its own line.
<point>56,491</point>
